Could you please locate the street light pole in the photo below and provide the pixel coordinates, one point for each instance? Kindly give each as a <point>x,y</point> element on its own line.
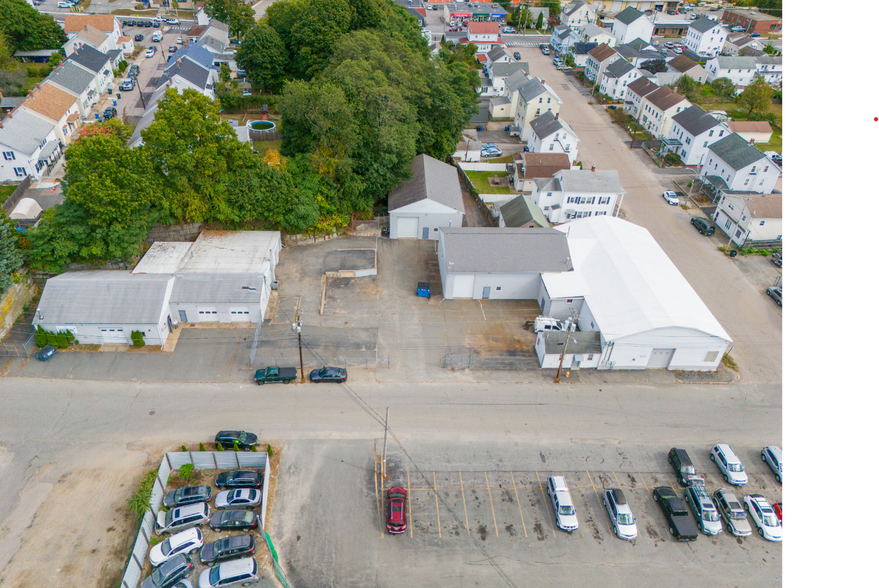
<point>298,327</point>
<point>558,375</point>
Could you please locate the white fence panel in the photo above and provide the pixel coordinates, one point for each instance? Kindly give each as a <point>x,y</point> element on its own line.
<point>495,198</point>
<point>474,166</point>
<point>132,575</point>
<point>266,481</point>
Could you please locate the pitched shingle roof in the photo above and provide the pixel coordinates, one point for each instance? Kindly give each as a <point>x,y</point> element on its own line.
<point>664,98</point>
<point>92,35</point>
<point>73,23</point>
<point>532,89</point>
<point>564,32</point>
<point>24,131</point>
<point>642,87</point>
<point>50,101</point>
<point>736,152</point>
<point>505,250</point>
<point>91,59</point>
<point>749,126</point>
<point>521,210</point>
<point>497,53</point>
<point>629,15</point>
<point>618,68</point>
<point>695,121</point>
<point>602,52</point>
<point>542,165</point>
<point>703,24</point>
<point>769,60</point>
<point>194,52</point>
<point>192,72</point>
<point>72,78</point>
<point>590,30</point>
<point>431,180</point>
<point>545,125</point>
<point>583,48</point>
<point>516,80</point>
<point>682,63</point>
<point>572,7</point>
<point>637,44</point>
<point>765,206</point>
<point>724,62</point>
<point>508,69</point>
<point>483,28</point>
<point>599,181</point>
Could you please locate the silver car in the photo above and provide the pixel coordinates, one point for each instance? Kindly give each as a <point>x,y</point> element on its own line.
<point>241,497</point>
<point>620,514</point>
<point>238,572</point>
<point>732,512</point>
<point>728,463</point>
<point>772,456</point>
<point>704,510</point>
<point>182,517</point>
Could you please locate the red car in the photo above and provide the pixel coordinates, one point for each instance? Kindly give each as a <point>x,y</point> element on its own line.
<point>396,510</point>
<point>777,508</point>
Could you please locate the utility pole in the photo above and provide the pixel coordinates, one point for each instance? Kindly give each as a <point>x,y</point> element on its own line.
<point>298,327</point>
<point>558,375</point>
<point>385,446</point>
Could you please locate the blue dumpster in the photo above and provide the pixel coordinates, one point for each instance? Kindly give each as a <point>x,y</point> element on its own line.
<point>507,128</point>
<point>423,290</point>
<point>479,128</point>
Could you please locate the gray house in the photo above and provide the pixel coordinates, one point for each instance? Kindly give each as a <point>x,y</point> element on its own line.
<point>427,202</point>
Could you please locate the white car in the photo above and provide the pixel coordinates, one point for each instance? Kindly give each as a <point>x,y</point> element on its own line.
<point>150,53</point>
<point>65,5</point>
<point>182,542</point>
<point>172,21</point>
<point>768,524</point>
<point>565,514</point>
<point>179,40</point>
<point>509,31</point>
<point>182,517</point>
<point>670,197</point>
<point>772,456</point>
<point>732,468</point>
<point>620,514</point>
<point>242,497</point>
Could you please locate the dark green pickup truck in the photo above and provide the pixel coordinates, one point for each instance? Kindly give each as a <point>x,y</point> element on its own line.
<point>274,374</point>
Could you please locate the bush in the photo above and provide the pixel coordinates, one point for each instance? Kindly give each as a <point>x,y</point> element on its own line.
<point>137,338</point>
<point>672,158</point>
<point>140,502</point>
<point>186,471</point>
<point>41,338</point>
<point>269,450</point>
<point>201,446</point>
<point>183,448</point>
<point>220,448</point>
<point>62,342</point>
<point>254,449</point>
<point>123,65</point>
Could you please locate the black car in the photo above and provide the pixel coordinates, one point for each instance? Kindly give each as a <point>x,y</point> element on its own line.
<point>172,49</point>
<point>187,495</point>
<point>138,37</point>
<point>109,113</point>
<point>681,526</point>
<point>683,467</point>
<point>169,573</point>
<point>702,226</point>
<point>46,353</point>
<point>230,439</point>
<point>235,546</point>
<point>239,479</point>
<point>329,374</point>
<point>233,519</point>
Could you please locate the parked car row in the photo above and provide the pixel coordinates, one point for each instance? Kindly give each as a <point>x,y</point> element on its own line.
<point>275,374</point>
<point>175,571</point>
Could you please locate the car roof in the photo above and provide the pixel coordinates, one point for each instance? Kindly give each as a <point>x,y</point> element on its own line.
<point>186,510</point>
<point>238,515</point>
<point>184,536</point>
<point>618,496</point>
<point>727,452</point>
<point>666,491</point>
<point>774,450</point>
<point>236,541</point>
<point>559,482</point>
<point>237,566</point>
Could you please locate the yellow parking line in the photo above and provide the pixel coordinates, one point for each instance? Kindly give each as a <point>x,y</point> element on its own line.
<point>436,496</point>
<point>620,486</point>
<point>409,502</point>
<point>545,502</point>
<point>491,502</point>
<point>669,481</point>
<point>594,489</point>
<point>519,503</point>
<point>644,482</point>
<point>464,498</point>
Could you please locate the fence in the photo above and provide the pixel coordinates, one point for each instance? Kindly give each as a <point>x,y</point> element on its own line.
<point>16,196</point>
<point>473,166</point>
<point>201,460</point>
<point>258,136</point>
<point>18,349</point>
<point>486,362</point>
<point>255,343</point>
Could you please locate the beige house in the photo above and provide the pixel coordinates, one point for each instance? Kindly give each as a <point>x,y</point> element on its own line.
<point>752,131</point>
<point>534,98</point>
<point>56,106</point>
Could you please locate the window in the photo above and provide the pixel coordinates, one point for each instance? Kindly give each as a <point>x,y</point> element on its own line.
<point>570,199</point>
<point>540,101</point>
<point>590,200</point>
<point>604,200</point>
<point>711,356</point>
<point>738,234</point>
<point>730,206</point>
<point>728,224</point>
<point>705,144</point>
<point>546,208</point>
<point>551,146</point>
<point>9,155</point>
<point>549,194</point>
<point>684,154</point>
<point>720,134</point>
<point>762,223</point>
<point>20,172</point>
<point>766,169</point>
<point>761,182</point>
<point>498,288</point>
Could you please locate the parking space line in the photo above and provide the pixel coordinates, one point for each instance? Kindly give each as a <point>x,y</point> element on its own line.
<point>545,502</point>
<point>409,502</point>
<point>669,480</point>
<point>519,503</point>
<point>464,498</point>
<point>491,502</point>
<point>620,486</point>
<point>436,496</point>
<point>644,482</point>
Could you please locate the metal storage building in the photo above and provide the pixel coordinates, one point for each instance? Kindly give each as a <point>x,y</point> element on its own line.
<point>430,200</point>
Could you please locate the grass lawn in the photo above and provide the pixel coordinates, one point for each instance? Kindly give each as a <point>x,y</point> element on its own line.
<point>480,182</point>
<point>774,143</point>
<point>504,159</point>
<point>729,106</point>
<point>6,191</point>
<point>264,146</point>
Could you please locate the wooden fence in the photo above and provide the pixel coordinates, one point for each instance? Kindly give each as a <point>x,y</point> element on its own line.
<point>16,196</point>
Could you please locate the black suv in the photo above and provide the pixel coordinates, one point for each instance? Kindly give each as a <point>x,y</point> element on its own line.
<point>233,519</point>
<point>683,467</point>
<point>230,439</point>
<point>239,479</point>
<point>187,495</point>
<point>236,546</point>
<point>702,226</point>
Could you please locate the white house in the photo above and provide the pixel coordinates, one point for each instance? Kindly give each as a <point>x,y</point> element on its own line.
<point>56,106</point>
<point>98,64</point>
<point>577,15</point>
<point>27,146</point>
<point>108,24</point>
<point>705,37</point>
<point>527,167</point>
<point>427,202</point>
<point>575,193</point>
<point>770,68</point>
<point>497,55</point>
<point>694,130</point>
<point>733,165</point>
<point>752,131</point>
<point>582,349</point>
<point>90,36</point>
<point>632,24</point>
<point>686,66</point>
<point>498,73</point>
<point>635,93</point>
<point>191,67</point>
<point>563,39</point>
<point>740,70</point>
<point>485,35</point>
<point>736,42</point>
<point>592,33</point>
<point>658,109</point>
<point>597,60</point>
<point>617,76</point>
<point>749,217</point>
<point>77,81</point>
<point>549,134</point>
<point>534,98</point>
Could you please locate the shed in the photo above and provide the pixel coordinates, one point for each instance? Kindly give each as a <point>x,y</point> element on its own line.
<point>522,212</point>
<point>752,131</point>
<point>427,202</point>
<point>27,209</point>
<point>583,349</point>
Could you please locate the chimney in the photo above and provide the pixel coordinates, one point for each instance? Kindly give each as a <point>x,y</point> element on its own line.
<point>751,142</point>
<point>556,115</point>
<point>593,168</point>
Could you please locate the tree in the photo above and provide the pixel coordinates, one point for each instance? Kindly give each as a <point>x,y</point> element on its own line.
<point>26,29</point>
<point>687,87</point>
<point>5,54</point>
<point>264,57</point>
<point>520,17</point>
<point>770,50</point>
<point>555,7</point>
<point>724,88</point>
<point>539,24</point>
<point>235,13</point>
<point>112,127</point>
<point>757,97</point>
<point>655,66</point>
<point>309,29</point>
<point>10,256</point>
<point>273,195</point>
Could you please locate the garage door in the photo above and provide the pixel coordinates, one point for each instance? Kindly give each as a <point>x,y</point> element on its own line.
<point>660,358</point>
<point>407,228</point>
<point>240,314</point>
<point>113,335</point>
<point>463,287</point>
<point>208,315</point>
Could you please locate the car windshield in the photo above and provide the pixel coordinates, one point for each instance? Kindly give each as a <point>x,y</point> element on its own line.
<point>158,577</point>
<point>769,519</point>
<point>625,518</point>
<point>566,510</point>
<point>689,470</point>
<point>711,515</point>
<point>215,575</point>
<point>166,547</point>
<point>736,467</point>
<point>737,515</point>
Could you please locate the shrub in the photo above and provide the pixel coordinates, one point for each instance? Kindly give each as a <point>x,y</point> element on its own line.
<point>200,446</point>
<point>254,449</point>
<point>186,471</point>
<point>62,342</point>
<point>41,338</point>
<point>140,502</point>
<point>137,338</point>
<point>183,448</point>
<point>220,448</point>
<point>269,450</point>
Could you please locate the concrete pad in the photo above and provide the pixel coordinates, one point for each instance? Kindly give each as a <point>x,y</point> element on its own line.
<point>350,259</point>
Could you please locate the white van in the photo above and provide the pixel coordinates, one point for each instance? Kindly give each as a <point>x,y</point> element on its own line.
<point>157,36</point>
<point>545,323</point>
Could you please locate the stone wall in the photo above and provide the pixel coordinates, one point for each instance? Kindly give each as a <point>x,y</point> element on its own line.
<point>187,232</point>
<point>294,240</point>
<point>12,303</point>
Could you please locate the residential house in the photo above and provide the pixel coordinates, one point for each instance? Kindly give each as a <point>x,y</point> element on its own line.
<point>732,164</point>
<point>77,81</point>
<point>750,52</point>
<point>686,66</point>
<point>215,39</point>
<point>92,60</point>
<point>597,60</point>
<point>571,194</point>
<point>497,55</point>
<point>663,78</point>
<point>751,20</point>
<point>592,33</point>
<point>535,98</point>
<point>563,39</point>
<point>635,93</point>
<point>514,81</point>
<point>749,217</point>
<point>500,107</point>
<point>485,35</point>
<point>736,42</point>
<point>692,131</point>
<point>659,107</point>
<point>521,212</point>
<point>638,56</point>
<point>10,103</point>
<point>549,134</point>
<point>498,72</point>
<point>770,68</point>
<point>528,166</point>
<point>147,117</point>
<point>616,5</point>
<point>108,24</point>
<point>126,45</point>
<point>577,15</point>
<point>191,67</point>
<point>90,36</point>
<point>631,24</point>
<point>740,70</point>
<point>28,146</point>
<point>55,106</point>
<point>705,37</point>
<point>752,131</point>
<point>617,76</point>
<point>431,199</point>
<point>580,53</point>
<point>535,16</point>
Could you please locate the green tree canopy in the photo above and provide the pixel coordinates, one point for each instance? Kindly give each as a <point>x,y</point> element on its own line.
<point>10,256</point>
<point>309,29</point>
<point>264,57</point>
<point>757,97</point>
<point>687,87</point>
<point>235,13</point>
<point>724,87</point>
<point>26,29</point>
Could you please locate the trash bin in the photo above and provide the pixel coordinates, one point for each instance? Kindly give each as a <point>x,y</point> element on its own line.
<point>423,290</point>
<point>275,284</point>
<point>733,253</point>
<point>479,128</point>
<point>507,128</point>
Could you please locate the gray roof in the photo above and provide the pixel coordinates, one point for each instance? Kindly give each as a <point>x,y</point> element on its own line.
<point>507,69</point>
<point>49,149</point>
<point>520,211</point>
<point>516,80</point>
<point>70,77</point>
<point>593,29</point>
<point>545,125</point>
<point>769,60</point>
<point>194,52</point>
<point>736,62</point>
<point>703,24</point>
<point>564,32</point>
<point>497,53</point>
<point>629,15</point>
<point>547,185</point>
<point>219,25</point>
<point>532,89</point>
<point>570,7</point>
<point>90,58</point>
<point>638,44</point>
<point>24,132</point>
<point>498,100</point>
<point>736,152</point>
<point>104,297</point>
<point>642,87</point>
<point>599,181</point>
<point>11,101</point>
<point>193,73</point>
<point>579,342</point>
<point>583,48</point>
<point>505,250</point>
<point>112,54</point>
<point>217,288</point>
<point>431,180</point>
<point>618,68</point>
<point>695,121</point>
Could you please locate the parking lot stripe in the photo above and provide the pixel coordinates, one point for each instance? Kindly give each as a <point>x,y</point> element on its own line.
<point>491,502</point>
<point>409,502</point>
<point>464,498</point>
<point>436,496</point>
<point>669,481</point>
<point>545,502</point>
<point>644,482</point>
<point>620,486</point>
<point>519,503</point>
